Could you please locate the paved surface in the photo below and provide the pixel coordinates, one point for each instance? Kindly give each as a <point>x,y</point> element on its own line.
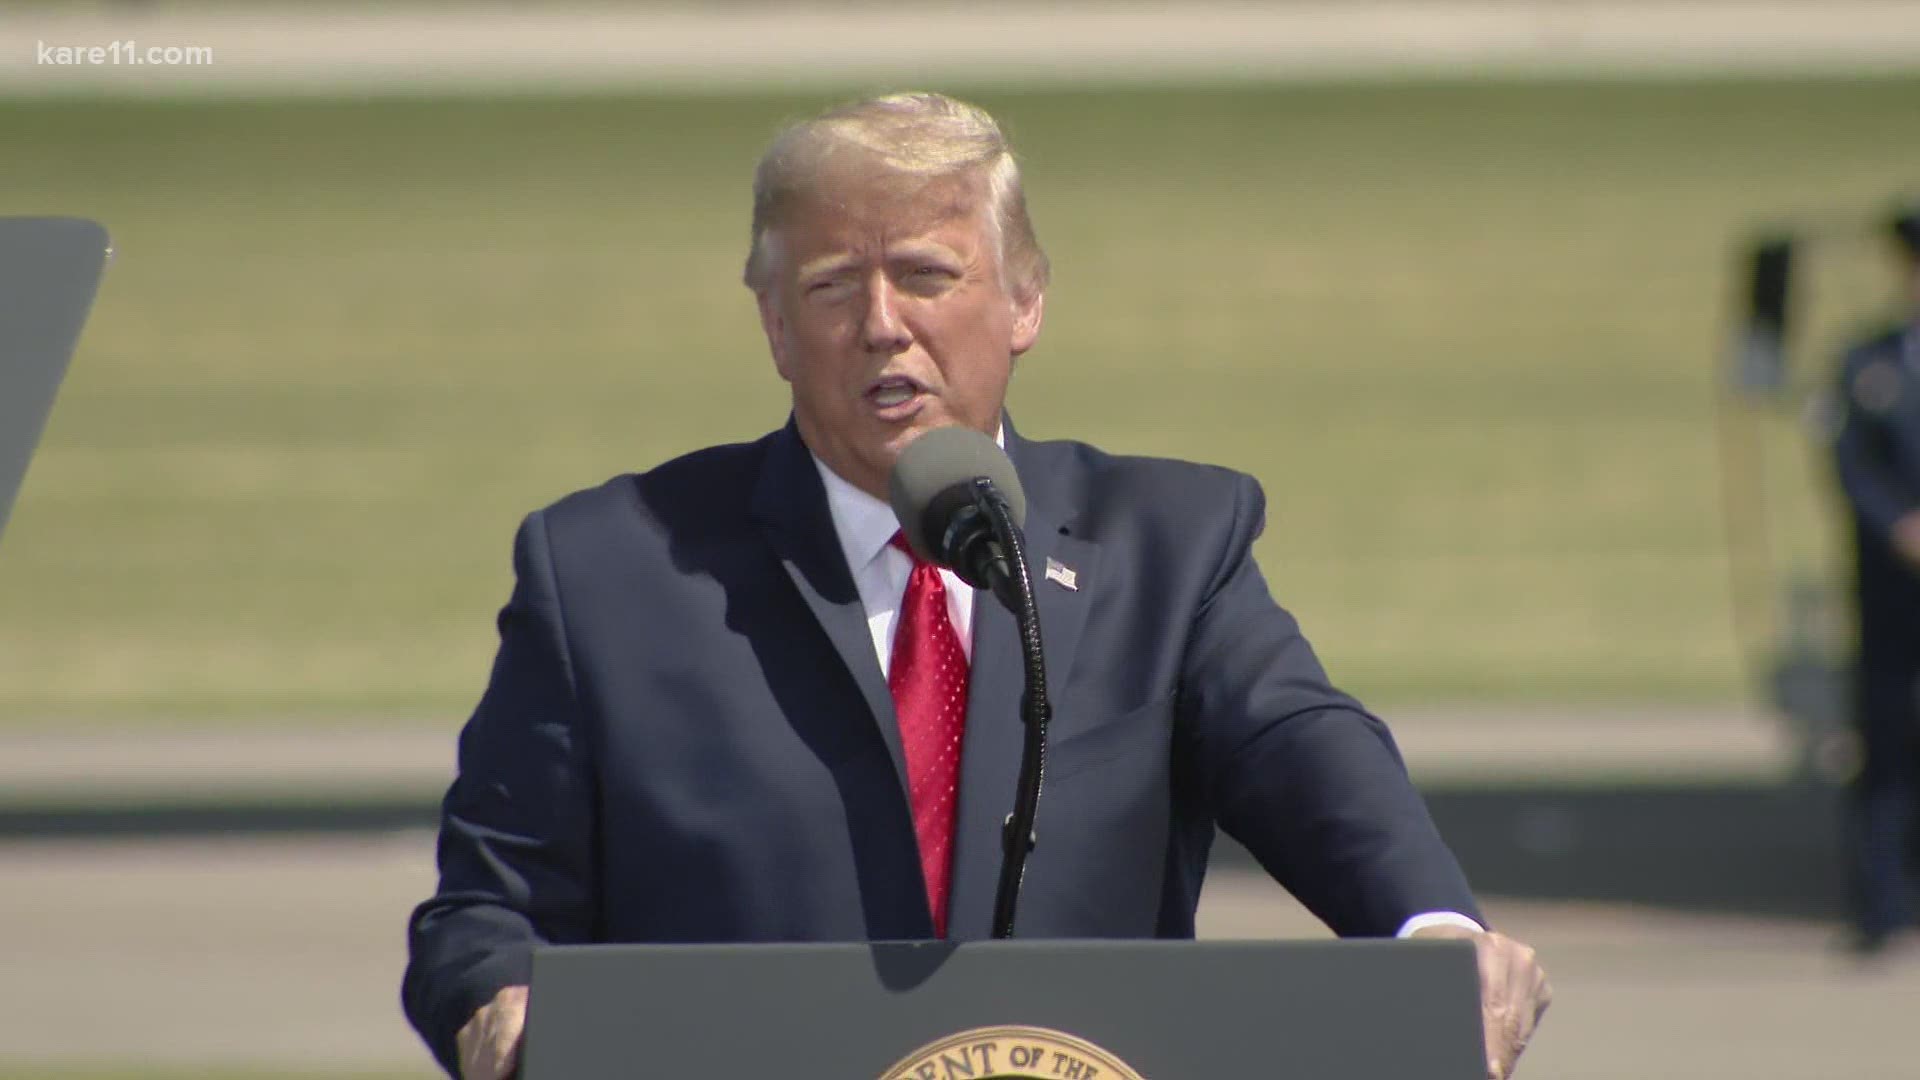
<point>363,48</point>
<point>287,953</point>
<point>107,767</point>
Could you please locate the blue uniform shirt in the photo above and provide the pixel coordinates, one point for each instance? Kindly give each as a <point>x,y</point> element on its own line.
<point>1877,448</point>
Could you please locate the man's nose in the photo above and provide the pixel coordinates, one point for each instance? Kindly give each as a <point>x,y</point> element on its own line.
<point>883,330</point>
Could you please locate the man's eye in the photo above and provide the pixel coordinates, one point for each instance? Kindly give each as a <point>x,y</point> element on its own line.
<point>929,277</point>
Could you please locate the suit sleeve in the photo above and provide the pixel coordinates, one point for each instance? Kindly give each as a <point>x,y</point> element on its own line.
<point>515,846</point>
<point>1298,772</point>
<point>1864,458</point>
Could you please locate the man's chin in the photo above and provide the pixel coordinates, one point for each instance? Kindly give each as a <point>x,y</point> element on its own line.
<point>925,422</point>
<point>879,453</point>
<point>921,423</point>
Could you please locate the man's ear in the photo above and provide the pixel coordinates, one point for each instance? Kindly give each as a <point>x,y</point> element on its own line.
<point>1027,316</point>
<point>774,325</point>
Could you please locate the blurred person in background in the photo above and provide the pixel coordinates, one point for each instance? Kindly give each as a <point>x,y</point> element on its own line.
<point>728,706</point>
<point>1877,454</point>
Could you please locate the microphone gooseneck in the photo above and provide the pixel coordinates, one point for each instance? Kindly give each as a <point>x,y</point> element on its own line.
<point>1017,838</point>
<point>960,504</point>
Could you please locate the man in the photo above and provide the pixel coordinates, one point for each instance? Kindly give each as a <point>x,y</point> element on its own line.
<point>1877,453</point>
<point>727,707</point>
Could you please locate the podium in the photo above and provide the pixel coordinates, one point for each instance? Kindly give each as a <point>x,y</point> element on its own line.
<point>1073,1009</point>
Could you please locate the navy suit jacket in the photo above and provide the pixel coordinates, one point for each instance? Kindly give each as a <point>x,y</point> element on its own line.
<point>687,737</point>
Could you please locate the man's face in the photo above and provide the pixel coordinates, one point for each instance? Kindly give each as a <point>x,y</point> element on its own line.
<point>888,315</point>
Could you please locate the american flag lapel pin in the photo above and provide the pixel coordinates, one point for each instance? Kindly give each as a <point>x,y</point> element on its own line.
<point>1061,573</point>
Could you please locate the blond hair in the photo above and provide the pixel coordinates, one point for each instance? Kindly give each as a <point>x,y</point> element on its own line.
<point>912,136</point>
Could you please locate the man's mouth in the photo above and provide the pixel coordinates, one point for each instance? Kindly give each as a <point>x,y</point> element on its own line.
<point>893,391</point>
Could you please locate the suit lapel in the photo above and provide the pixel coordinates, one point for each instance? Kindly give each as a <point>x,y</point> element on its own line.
<point>791,505</point>
<point>990,756</point>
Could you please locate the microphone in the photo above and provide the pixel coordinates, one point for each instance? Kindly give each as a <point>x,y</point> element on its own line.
<point>946,489</point>
<point>960,504</point>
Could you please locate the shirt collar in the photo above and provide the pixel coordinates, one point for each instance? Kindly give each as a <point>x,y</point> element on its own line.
<point>863,523</point>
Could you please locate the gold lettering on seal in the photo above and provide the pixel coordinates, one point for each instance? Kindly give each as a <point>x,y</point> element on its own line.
<point>1010,1053</point>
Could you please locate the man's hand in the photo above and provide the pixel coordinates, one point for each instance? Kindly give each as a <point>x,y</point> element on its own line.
<point>1906,538</point>
<point>1513,993</point>
<point>489,1044</point>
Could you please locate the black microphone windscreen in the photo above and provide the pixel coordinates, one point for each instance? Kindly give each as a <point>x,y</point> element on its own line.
<point>938,462</point>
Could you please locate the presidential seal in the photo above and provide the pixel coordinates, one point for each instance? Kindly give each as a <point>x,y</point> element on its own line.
<point>1010,1053</point>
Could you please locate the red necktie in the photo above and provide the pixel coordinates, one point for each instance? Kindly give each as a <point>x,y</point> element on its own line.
<point>928,678</point>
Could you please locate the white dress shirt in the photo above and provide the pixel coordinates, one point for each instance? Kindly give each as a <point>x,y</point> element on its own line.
<point>864,526</point>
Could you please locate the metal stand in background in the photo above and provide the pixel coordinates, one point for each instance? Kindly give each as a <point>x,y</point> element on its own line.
<point>1788,609</point>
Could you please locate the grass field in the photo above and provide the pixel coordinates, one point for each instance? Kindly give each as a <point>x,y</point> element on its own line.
<point>1465,334</point>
